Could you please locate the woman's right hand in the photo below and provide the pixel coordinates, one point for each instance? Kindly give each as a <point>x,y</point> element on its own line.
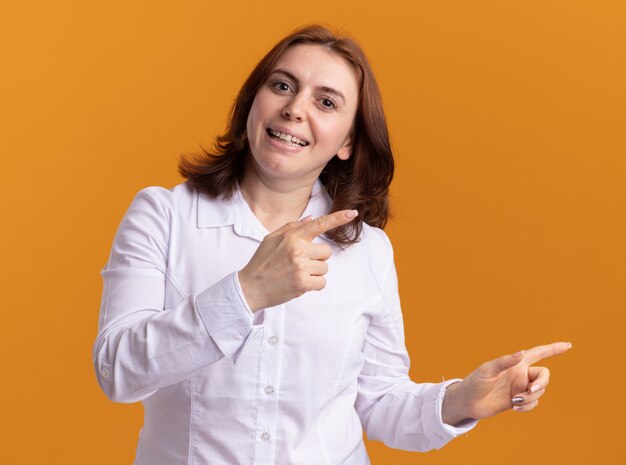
<point>287,263</point>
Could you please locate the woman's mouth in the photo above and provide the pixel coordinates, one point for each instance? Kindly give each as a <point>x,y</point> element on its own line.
<point>287,139</point>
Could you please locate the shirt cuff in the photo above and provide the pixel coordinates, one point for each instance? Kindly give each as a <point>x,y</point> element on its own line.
<point>225,314</point>
<point>241,294</point>
<point>453,431</point>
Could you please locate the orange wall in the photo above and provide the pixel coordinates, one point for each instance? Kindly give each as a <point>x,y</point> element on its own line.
<point>509,127</point>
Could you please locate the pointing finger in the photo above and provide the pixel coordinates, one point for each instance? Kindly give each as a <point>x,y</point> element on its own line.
<point>325,223</point>
<point>549,350</point>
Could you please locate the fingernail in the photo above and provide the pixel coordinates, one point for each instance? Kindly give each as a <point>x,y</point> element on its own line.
<point>351,214</point>
<point>518,354</point>
<point>535,388</point>
<point>517,408</point>
<point>517,400</point>
<point>306,218</point>
<point>570,345</point>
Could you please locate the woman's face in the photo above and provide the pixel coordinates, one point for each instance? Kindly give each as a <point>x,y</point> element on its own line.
<point>302,116</point>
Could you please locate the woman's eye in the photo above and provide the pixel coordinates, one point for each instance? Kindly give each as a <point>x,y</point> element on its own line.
<point>281,86</point>
<point>327,103</point>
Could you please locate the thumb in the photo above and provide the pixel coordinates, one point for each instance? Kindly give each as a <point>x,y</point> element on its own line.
<point>291,226</point>
<point>500,364</point>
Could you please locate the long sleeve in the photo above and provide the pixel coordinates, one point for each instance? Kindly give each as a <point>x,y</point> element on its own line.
<point>392,408</point>
<point>141,345</point>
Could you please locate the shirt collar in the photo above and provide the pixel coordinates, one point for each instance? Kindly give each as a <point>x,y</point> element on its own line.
<point>235,211</point>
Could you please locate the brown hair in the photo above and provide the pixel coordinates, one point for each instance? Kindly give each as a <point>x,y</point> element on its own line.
<point>361,182</point>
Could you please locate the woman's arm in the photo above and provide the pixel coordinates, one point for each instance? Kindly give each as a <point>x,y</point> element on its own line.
<point>141,345</point>
<point>392,408</point>
<point>421,417</point>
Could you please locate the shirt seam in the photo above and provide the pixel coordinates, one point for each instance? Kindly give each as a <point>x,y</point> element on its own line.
<point>342,366</point>
<point>169,230</point>
<point>106,305</point>
<point>380,286</point>
<point>192,421</point>
<point>323,446</point>
<point>258,400</point>
<point>174,283</point>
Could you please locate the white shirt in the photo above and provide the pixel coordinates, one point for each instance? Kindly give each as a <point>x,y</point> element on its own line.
<point>292,384</point>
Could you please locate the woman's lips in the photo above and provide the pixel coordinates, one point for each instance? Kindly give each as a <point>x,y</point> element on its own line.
<point>286,138</point>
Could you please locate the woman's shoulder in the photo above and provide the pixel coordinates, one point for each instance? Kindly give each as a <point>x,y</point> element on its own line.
<point>375,245</point>
<point>164,205</point>
<point>179,193</point>
<point>372,236</point>
<point>166,199</point>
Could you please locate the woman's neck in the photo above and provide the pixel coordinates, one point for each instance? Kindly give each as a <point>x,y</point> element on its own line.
<point>275,204</point>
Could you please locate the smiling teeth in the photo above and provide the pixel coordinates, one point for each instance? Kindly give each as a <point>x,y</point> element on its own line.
<point>292,140</point>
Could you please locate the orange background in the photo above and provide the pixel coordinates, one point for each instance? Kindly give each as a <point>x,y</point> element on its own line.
<point>508,121</point>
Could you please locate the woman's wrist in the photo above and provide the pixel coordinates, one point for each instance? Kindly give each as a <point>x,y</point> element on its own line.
<point>455,410</point>
<point>244,282</point>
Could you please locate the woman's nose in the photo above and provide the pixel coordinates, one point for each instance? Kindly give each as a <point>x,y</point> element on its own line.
<point>294,110</point>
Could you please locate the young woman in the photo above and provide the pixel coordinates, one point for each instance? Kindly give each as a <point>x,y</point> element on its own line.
<point>254,309</point>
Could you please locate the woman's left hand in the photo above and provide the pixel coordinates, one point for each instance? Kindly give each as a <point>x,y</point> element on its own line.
<point>501,384</point>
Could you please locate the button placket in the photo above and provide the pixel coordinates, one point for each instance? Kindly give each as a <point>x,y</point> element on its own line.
<point>269,385</point>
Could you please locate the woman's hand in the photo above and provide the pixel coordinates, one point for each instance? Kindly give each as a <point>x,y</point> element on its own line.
<point>501,384</point>
<point>287,263</point>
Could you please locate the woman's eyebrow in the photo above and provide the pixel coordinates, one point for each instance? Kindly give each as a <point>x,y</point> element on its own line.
<point>328,90</point>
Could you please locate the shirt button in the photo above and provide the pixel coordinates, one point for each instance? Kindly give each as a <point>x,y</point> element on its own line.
<point>265,437</point>
<point>104,372</point>
<point>269,390</point>
<point>272,340</point>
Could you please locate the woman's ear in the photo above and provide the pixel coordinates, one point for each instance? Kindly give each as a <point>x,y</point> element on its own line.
<point>344,152</point>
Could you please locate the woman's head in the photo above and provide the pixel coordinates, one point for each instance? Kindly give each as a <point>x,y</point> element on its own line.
<point>359,181</point>
<point>301,117</point>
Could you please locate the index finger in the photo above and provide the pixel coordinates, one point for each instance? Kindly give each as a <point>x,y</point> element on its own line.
<point>540,352</point>
<point>325,223</point>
